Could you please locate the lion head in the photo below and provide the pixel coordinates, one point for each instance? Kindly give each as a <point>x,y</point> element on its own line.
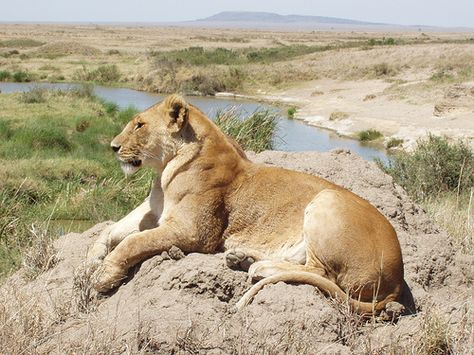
<point>152,137</point>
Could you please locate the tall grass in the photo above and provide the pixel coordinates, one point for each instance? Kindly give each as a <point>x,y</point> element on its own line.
<point>102,74</point>
<point>57,168</point>
<point>254,132</point>
<point>435,166</point>
<point>439,174</point>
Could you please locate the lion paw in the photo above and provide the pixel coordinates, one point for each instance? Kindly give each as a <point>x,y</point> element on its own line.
<point>107,276</point>
<point>237,259</point>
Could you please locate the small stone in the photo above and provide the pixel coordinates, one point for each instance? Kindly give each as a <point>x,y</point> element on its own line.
<point>175,253</point>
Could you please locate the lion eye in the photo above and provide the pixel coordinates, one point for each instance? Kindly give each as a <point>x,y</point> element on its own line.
<point>139,125</point>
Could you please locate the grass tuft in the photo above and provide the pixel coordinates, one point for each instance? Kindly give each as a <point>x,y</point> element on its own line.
<point>291,112</point>
<point>369,135</point>
<point>41,255</point>
<point>255,132</point>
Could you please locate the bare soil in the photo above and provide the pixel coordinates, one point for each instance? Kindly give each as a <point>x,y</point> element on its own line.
<point>184,304</point>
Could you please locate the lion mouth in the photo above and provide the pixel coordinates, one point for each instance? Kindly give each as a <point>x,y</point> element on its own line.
<point>129,167</point>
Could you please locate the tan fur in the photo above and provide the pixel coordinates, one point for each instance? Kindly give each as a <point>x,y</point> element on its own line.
<point>279,224</point>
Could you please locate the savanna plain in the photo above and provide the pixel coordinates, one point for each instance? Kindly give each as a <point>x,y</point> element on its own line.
<point>411,93</point>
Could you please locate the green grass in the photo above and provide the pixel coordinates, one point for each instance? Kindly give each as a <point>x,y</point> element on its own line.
<point>254,132</point>
<point>394,142</point>
<point>291,112</point>
<point>369,135</point>
<point>21,76</point>
<point>5,75</point>
<point>435,166</point>
<point>57,165</point>
<point>21,42</point>
<point>439,174</point>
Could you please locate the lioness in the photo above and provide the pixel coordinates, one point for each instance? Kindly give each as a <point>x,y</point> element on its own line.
<point>277,224</point>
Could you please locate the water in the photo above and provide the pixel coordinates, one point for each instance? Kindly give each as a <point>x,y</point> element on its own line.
<point>292,135</point>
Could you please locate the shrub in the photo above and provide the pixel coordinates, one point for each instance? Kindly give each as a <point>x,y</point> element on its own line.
<point>255,132</point>
<point>291,112</point>
<point>394,142</point>
<point>383,69</point>
<point>369,135</point>
<point>21,76</point>
<point>113,52</point>
<point>434,166</point>
<point>102,74</point>
<point>5,75</point>
<point>204,84</point>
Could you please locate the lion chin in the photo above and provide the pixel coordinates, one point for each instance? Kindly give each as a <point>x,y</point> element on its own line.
<point>131,167</point>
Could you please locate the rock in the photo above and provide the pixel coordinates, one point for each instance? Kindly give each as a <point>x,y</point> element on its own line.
<point>174,303</point>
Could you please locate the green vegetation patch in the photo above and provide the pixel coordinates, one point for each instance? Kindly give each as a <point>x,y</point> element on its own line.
<point>57,167</point>
<point>369,135</point>
<point>102,74</point>
<point>21,43</point>
<point>254,132</point>
<point>435,166</point>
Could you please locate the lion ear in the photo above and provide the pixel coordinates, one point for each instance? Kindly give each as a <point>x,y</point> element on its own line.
<point>178,112</point>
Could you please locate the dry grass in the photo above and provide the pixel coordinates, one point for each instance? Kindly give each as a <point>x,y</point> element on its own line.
<point>337,55</point>
<point>41,255</point>
<point>455,214</point>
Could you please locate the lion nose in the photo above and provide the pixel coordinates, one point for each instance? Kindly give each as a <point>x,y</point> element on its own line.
<point>115,147</point>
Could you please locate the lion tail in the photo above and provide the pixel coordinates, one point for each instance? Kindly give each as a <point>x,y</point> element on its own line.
<point>325,285</point>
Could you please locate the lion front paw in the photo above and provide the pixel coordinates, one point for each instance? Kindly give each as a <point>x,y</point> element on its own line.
<point>107,276</point>
<point>237,259</point>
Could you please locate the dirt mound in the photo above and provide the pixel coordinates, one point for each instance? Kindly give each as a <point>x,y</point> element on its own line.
<point>66,48</point>
<point>183,304</point>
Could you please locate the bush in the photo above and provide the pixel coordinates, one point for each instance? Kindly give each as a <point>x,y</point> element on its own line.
<point>435,166</point>
<point>369,135</point>
<point>21,76</point>
<point>291,112</point>
<point>5,75</point>
<point>383,69</point>
<point>102,74</point>
<point>394,142</point>
<point>255,132</point>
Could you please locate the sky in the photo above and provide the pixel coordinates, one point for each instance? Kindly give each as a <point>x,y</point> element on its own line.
<point>452,13</point>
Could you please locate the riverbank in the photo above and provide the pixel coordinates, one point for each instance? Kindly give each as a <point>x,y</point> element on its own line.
<point>349,107</point>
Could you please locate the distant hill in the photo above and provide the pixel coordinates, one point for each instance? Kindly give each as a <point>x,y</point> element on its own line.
<point>270,18</point>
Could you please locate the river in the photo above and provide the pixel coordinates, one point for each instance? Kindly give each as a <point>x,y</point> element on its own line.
<point>291,135</point>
